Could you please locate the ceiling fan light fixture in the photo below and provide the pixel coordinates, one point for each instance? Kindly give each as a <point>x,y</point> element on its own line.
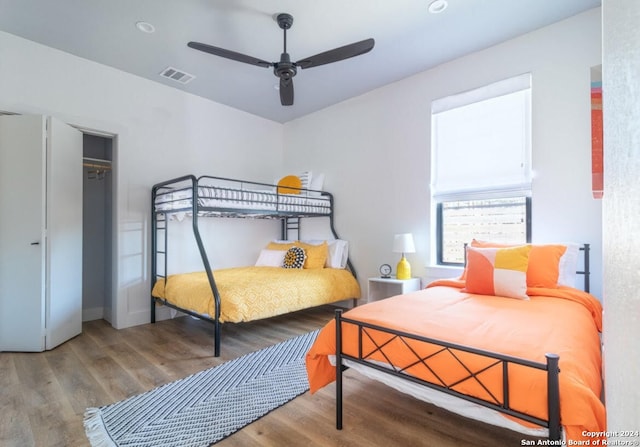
<point>437,6</point>
<point>145,27</point>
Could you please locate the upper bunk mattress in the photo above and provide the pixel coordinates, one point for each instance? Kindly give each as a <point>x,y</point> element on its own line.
<point>213,197</point>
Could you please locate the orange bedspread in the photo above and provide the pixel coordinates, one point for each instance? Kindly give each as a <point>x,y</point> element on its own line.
<point>563,321</point>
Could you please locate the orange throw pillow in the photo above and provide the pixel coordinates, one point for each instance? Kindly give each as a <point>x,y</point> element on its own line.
<point>289,184</point>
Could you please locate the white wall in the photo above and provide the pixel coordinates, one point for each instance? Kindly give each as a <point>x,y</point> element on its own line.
<point>375,146</point>
<point>161,133</point>
<point>374,149</point>
<point>621,213</point>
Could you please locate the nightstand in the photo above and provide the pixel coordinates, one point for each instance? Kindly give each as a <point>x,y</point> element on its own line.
<point>380,288</point>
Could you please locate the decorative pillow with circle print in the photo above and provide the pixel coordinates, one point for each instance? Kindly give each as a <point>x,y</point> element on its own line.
<point>294,258</point>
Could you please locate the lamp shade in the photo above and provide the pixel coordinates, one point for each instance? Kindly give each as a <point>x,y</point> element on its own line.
<point>403,243</point>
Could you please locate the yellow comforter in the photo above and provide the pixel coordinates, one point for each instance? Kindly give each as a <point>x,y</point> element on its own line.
<point>252,293</point>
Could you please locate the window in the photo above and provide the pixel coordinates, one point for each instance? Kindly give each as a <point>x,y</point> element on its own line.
<point>481,167</point>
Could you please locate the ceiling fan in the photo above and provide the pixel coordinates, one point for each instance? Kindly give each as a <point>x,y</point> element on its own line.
<point>285,69</point>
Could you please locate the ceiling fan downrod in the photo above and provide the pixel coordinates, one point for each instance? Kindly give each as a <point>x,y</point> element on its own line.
<point>285,69</point>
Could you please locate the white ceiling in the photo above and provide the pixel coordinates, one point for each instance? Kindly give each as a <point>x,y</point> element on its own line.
<point>408,40</point>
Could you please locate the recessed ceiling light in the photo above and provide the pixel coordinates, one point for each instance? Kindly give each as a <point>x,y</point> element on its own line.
<point>145,27</point>
<point>437,6</point>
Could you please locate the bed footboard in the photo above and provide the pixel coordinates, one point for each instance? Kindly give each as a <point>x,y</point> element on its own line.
<point>502,405</point>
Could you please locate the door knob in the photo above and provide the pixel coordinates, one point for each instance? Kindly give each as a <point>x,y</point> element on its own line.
<point>35,243</point>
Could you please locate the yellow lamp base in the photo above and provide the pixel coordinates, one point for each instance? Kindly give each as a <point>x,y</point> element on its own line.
<point>403,269</point>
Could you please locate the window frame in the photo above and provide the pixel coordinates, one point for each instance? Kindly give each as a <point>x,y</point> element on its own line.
<point>440,230</point>
<point>510,186</point>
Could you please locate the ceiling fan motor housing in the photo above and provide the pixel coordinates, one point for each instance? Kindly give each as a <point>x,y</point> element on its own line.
<point>285,69</point>
<point>284,20</point>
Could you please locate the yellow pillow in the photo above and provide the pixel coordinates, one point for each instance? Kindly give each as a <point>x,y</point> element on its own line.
<point>289,184</point>
<point>316,254</point>
<point>284,246</point>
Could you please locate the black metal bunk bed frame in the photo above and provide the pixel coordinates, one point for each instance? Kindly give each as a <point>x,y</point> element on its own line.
<point>290,221</point>
<point>552,423</point>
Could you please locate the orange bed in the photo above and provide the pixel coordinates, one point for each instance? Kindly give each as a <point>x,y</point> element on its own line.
<point>563,321</point>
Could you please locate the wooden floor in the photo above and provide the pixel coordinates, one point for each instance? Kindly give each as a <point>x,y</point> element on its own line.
<point>43,395</point>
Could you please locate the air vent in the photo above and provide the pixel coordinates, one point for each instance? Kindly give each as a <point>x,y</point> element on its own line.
<point>177,75</point>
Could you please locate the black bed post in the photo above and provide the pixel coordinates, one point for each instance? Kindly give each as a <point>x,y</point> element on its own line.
<point>207,268</point>
<point>338,369</point>
<point>154,251</point>
<point>587,268</point>
<point>553,396</point>
<point>335,234</point>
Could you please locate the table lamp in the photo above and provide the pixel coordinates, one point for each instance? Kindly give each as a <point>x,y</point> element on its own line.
<point>403,243</point>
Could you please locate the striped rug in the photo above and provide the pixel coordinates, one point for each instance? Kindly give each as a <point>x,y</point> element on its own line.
<point>206,407</point>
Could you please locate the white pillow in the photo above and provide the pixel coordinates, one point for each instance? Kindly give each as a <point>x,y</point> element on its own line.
<point>340,256</point>
<point>270,258</point>
<point>568,265</point>
<point>317,182</point>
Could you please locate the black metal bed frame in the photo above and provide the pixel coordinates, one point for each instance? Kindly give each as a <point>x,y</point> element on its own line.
<point>290,221</point>
<point>552,423</point>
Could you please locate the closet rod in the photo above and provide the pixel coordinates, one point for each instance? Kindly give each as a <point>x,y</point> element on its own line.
<point>99,160</point>
<point>96,166</point>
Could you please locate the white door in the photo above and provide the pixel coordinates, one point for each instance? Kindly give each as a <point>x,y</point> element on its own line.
<point>22,208</point>
<point>64,234</point>
<point>40,194</point>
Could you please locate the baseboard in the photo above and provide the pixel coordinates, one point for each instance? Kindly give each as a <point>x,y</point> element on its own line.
<point>95,313</point>
<point>166,313</point>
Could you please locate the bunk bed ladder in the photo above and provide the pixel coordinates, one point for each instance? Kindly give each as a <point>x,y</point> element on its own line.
<point>159,227</point>
<point>290,224</point>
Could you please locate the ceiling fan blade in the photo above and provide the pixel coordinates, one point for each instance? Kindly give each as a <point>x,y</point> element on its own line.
<point>337,54</point>
<point>229,54</point>
<point>286,91</point>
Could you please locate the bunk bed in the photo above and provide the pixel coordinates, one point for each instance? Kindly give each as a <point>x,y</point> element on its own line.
<point>254,292</point>
<point>532,365</point>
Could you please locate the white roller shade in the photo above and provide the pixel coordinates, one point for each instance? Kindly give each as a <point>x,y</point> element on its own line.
<point>482,141</point>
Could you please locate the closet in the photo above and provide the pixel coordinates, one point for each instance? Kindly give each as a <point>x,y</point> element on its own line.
<point>97,259</point>
<point>40,233</point>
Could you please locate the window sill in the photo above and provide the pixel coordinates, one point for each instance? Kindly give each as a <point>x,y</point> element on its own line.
<point>442,271</point>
